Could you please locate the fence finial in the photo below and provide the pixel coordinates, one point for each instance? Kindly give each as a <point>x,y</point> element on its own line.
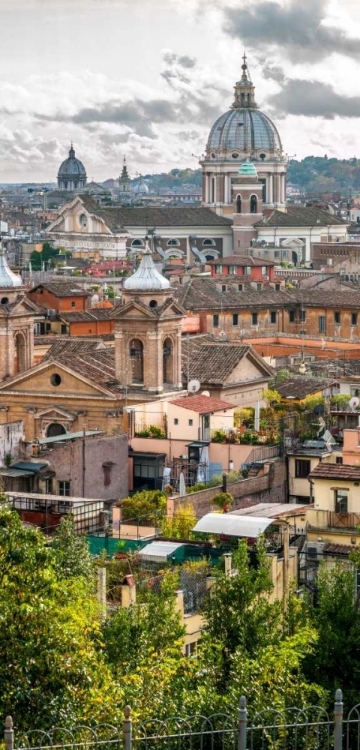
<point>338,720</point>
<point>242,726</point>
<point>9,734</point>
<point>127,729</point>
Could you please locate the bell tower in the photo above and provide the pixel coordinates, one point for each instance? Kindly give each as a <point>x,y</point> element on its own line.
<point>16,323</point>
<point>247,197</point>
<point>148,332</point>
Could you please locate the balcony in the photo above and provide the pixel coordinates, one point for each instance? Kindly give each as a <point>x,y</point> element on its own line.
<point>320,520</point>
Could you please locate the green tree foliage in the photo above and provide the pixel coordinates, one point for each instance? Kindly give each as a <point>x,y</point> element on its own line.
<point>180,525</point>
<point>319,174</point>
<point>336,618</point>
<point>147,506</point>
<point>52,669</point>
<point>223,500</point>
<point>72,556</point>
<point>46,256</point>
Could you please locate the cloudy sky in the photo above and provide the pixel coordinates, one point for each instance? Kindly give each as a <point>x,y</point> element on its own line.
<point>147,78</point>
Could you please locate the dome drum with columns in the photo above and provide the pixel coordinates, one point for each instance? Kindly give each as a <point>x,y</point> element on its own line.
<point>243,133</point>
<point>72,174</point>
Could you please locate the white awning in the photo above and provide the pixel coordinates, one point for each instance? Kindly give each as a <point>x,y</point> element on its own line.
<point>231,525</point>
<point>159,551</point>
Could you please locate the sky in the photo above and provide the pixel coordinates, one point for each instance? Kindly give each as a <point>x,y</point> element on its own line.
<point>146,79</point>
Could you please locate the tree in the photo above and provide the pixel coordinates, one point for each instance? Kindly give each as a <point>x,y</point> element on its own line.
<point>336,618</point>
<point>52,670</point>
<point>181,524</point>
<point>146,506</point>
<point>46,256</point>
<point>72,554</point>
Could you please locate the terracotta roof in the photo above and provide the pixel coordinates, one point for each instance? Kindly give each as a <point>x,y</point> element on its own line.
<point>100,313</point>
<point>213,362</point>
<point>61,289</point>
<point>203,293</point>
<point>301,387</point>
<point>300,216</point>
<point>73,345</point>
<point>203,404</point>
<point>338,549</point>
<point>119,218</point>
<point>97,365</point>
<point>240,260</point>
<point>336,471</point>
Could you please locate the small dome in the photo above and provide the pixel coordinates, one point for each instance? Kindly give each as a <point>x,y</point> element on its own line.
<point>146,278</point>
<point>72,167</point>
<point>8,279</point>
<point>248,169</point>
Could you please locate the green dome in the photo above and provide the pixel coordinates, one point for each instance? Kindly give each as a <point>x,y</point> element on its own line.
<point>248,169</point>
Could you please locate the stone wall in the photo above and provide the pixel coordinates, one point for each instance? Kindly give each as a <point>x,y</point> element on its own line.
<point>270,487</point>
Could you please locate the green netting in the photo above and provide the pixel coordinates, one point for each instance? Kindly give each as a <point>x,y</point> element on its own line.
<point>97,545</point>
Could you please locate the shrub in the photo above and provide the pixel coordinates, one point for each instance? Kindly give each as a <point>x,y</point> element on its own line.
<point>147,506</point>
<point>223,500</point>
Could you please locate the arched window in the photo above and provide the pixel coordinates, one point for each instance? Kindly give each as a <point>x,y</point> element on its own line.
<point>173,243</point>
<point>54,429</point>
<point>136,351</point>
<point>168,360</point>
<point>209,243</point>
<point>253,204</point>
<point>137,243</point>
<point>238,204</point>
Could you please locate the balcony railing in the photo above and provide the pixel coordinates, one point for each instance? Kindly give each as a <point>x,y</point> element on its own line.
<point>344,520</point>
<point>327,519</point>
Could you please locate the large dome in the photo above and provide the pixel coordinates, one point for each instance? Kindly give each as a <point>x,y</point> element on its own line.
<point>72,167</point>
<point>244,130</point>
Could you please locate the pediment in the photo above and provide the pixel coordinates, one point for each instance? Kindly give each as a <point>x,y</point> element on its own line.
<point>134,309</point>
<point>171,309</point>
<point>54,412</point>
<point>38,380</point>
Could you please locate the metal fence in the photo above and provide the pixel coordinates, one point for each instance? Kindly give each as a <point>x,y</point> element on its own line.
<point>309,728</point>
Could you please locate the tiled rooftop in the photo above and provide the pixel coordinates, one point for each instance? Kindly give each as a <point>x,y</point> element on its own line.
<point>300,216</point>
<point>62,289</point>
<point>336,471</point>
<point>299,387</point>
<point>213,362</point>
<point>203,404</point>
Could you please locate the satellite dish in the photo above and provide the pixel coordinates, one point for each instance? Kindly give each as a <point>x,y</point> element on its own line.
<point>205,393</point>
<point>354,402</point>
<point>193,386</point>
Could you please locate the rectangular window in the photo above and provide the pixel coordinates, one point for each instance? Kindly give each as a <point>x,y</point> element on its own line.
<point>302,468</point>
<point>240,287</point>
<point>276,253</point>
<point>321,323</point>
<point>291,316</point>
<point>339,459</point>
<point>64,489</point>
<point>273,316</point>
<point>247,270</point>
<point>277,287</point>
<point>176,421</point>
<point>259,287</point>
<point>341,501</point>
<point>223,288</point>
<point>73,304</point>
<point>218,268</point>
<point>232,270</point>
<point>263,270</point>
<point>337,318</point>
<point>354,319</point>
<point>191,422</point>
<point>215,321</point>
<point>254,319</point>
<point>302,316</point>
<point>235,319</point>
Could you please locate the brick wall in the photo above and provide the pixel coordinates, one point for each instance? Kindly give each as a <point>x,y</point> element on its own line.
<point>268,488</point>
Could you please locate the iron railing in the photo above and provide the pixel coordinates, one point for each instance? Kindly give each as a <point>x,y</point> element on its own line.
<point>310,728</point>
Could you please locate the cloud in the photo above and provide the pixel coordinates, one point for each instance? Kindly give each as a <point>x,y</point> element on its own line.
<point>183,60</point>
<point>273,73</point>
<point>313,99</point>
<point>298,29</point>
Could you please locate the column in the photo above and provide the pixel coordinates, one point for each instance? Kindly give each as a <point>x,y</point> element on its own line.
<point>270,189</point>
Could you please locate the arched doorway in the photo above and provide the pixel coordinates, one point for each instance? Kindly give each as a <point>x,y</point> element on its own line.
<point>20,349</point>
<point>54,429</point>
<point>136,351</point>
<point>168,361</point>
